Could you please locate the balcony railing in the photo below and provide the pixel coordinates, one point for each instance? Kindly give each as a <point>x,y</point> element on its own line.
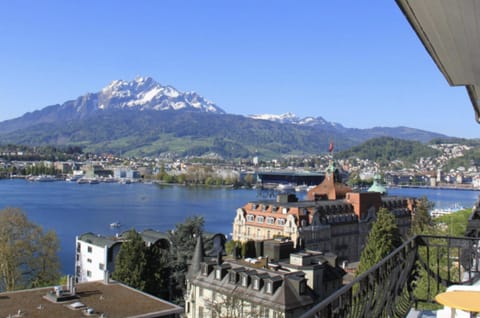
<point>411,275</point>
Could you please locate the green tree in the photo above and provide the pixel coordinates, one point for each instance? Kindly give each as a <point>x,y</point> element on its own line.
<point>183,240</point>
<point>422,221</point>
<point>156,271</point>
<point>131,261</point>
<point>383,238</point>
<point>28,255</point>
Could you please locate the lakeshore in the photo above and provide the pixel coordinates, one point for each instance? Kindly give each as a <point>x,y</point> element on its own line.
<point>71,209</point>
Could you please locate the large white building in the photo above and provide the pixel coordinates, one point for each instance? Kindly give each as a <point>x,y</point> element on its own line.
<point>95,255</point>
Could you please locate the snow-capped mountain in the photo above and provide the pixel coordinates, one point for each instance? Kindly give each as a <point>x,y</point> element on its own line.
<point>135,116</point>
<point>290,118</point>
<point>143,93</point>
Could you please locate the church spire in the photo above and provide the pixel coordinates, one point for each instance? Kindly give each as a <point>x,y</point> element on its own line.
<point>197,258</point>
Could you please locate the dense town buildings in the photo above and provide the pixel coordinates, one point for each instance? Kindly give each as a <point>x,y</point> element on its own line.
<point>332,219</point>
<point>258,288</point>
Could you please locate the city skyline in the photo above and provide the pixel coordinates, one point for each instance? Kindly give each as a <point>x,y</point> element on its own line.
<point>361,66</point>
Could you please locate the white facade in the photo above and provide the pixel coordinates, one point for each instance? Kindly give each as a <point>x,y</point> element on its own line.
<point>94,256</point>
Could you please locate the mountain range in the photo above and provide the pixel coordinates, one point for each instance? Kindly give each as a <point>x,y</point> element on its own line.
<point>142,117</point>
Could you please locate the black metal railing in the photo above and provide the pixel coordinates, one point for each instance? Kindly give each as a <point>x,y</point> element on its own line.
<point>412,274</point>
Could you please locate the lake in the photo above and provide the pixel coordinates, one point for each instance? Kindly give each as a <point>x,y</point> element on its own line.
<point>72,209</point>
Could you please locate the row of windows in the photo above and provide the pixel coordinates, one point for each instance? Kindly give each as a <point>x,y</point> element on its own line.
<point>261,219</point>
<point>264,208</point>
<point>260,312</point>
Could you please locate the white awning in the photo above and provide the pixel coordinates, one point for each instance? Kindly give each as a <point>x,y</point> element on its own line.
<point>450,32</point>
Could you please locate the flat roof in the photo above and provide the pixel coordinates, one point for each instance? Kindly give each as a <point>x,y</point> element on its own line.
<point>450,32</point>
<point>98,240</point>
<point>112,300</point>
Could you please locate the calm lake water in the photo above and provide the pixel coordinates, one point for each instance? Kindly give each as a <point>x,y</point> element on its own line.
<point>72,209</point>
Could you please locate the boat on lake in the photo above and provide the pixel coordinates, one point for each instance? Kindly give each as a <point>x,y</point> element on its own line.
<point>115,225</point>
<point>286,187</point>
<point>445,211</point>
<point>44,178</point>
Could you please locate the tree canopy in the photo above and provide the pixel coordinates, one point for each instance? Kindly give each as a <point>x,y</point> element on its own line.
<point>422,221</point>
<point>28,255</point>
<point>141,266</point>
<point>384,238</point>
<point>386,149</point>
<point>155,270</point>
<point>131,261</point>
<point>183,240</point>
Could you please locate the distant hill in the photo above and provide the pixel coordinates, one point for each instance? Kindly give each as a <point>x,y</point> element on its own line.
<point>142,117</point>
<point>387,149</point>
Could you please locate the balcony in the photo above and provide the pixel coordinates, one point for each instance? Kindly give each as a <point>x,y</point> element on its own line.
<point>409,277</point>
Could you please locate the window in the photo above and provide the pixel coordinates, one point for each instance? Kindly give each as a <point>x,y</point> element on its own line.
<point>78,257</point>
<point>285,210</point>
<point>101,266</point>
<point>263,312</point>
<point>200,291</point>
<point>270,287</point>
<point>89,274</point>
<point>281,221</point>
<point>250,217</point>
<point>270,220</point>
<point>244,280</point>
<point>200,312</point>
<point>232,277</point>
<point>256,283</point>
<point>89,260</point>
<point>218,274</point>
<point>78,247</point>
<point>260,219</point>
<point>89,249</point>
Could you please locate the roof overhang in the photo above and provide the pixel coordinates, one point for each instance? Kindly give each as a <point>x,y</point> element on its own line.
<point>450,32</point>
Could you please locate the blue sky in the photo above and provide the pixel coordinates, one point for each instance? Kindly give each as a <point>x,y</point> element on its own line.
<point>353,62</point>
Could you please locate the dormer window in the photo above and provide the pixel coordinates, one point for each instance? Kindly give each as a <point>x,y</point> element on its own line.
<point>244,280</point>
<point>206,269</point>
<point>260,219</point>
<point>250,217</point>
<point>218,274</point>
<point>256,284</point>
<point>232,277</point>
<point>270,220</point>
<point>269,288</point>
<point>285,210</point>
<point>281,221</point>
